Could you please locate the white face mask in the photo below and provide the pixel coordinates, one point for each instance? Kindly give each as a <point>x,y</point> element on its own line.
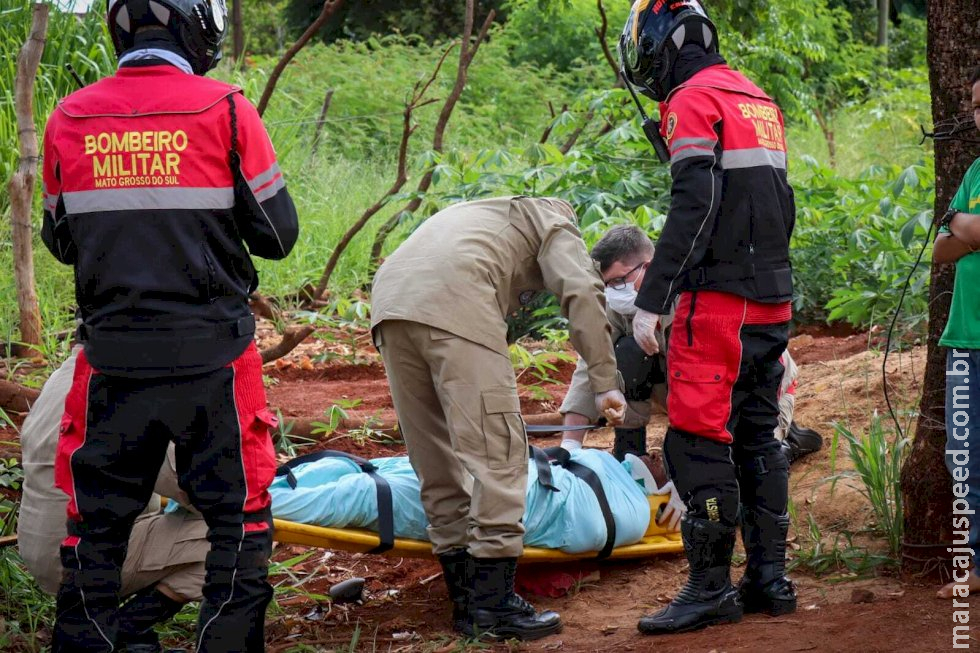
<point>623,300</point>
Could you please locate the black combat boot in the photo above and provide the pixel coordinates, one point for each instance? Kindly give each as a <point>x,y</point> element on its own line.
<point>496,611</point>
<point>454,565</point>
<point>138,615</point>
<point>708,597</point>
<point>800,442</point>
<point>632,441</point>
<point>764,587</point>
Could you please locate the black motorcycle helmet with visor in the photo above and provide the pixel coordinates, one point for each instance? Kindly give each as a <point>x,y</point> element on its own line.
<point>198,26</point>
<point>654,33</point>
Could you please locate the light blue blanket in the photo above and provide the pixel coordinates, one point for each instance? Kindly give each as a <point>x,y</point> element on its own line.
<point>335,492</point>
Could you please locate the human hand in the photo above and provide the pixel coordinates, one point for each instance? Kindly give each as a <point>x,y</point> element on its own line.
<point>645,331</point>
<point>611,405</point>
<point>673,510</point>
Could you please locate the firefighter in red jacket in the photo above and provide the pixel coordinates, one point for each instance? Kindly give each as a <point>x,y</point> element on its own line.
<point>725,250</point>
<point>155,181</point>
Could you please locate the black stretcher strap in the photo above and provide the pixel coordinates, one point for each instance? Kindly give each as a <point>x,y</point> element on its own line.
<point>563,458</point>
<point>543,465</point>
<point>386,514</point>
<point>556,428</point>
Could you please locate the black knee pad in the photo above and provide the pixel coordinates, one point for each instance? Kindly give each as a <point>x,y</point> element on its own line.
<point>764,478</point>
<point>704,475</point>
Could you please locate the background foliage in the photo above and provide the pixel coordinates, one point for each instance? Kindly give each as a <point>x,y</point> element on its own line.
<point>542,70</point>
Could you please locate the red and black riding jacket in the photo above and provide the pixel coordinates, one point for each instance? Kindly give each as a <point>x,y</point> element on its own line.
<point>144,197</point>
<point>732,210</point>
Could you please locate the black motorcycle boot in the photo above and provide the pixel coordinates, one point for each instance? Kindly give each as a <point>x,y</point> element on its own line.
<point>138,615</point>
<point>632,441</point>
<point>800,441</point>
<point>765,587</point>
<point>496,611</point>
<point>454,565</point>
<point>708,597</point>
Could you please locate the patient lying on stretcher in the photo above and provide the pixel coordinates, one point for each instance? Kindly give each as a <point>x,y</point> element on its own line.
<point>562,511</point>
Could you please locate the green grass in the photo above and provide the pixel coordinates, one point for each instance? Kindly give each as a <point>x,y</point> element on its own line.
<point>24,610</point>
<point>877,457</point>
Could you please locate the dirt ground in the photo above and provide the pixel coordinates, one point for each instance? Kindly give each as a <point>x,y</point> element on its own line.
<point>405,607</point>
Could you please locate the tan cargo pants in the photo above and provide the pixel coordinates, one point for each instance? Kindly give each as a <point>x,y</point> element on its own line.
<point>458,411</point>
<point>167,549</point>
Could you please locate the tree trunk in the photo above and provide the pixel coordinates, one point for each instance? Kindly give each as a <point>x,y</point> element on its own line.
<point>954,31</point>
<point>882,40</point>
<point>238,31</point>
<point>21,185</point>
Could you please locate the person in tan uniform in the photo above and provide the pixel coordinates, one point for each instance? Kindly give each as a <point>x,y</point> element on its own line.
<point>439,305</point>
<point>164,565</point>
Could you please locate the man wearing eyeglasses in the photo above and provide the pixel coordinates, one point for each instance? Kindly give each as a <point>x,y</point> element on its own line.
<point>622,255</point>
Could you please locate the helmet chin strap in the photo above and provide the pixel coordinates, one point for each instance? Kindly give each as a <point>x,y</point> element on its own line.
<point>651,128</point>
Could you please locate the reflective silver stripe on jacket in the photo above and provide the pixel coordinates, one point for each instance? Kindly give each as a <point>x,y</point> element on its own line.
<point>753,157</point>
<point>143,198</point>
<point>684,148</point>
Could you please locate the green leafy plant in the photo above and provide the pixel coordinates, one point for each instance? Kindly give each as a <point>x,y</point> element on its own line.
<point>11,477</point>
<point>335,415</point>
<point>347,322</point>
<point>856,241</point>
<point>540,363</point>
<point>371,431</point>
<point>287,442</point>
<point>877,458</point>
<point>11,473</point>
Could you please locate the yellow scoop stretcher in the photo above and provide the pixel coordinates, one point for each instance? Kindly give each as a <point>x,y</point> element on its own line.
<point>656,541</point>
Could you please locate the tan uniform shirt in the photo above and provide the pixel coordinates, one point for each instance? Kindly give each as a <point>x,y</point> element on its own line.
<point>469,266</point>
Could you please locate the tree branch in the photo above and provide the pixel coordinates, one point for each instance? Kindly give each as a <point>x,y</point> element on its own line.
<point>329,9</point>
<point>320,121</point>
<point>601,32</point>
<point>466,54</point>
<point>415,102</point>
<point>291,337</point>
<point>16,397</point>
<point>546,134</point>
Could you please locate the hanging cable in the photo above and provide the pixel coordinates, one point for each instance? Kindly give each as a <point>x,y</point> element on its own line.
<point>891,329</point>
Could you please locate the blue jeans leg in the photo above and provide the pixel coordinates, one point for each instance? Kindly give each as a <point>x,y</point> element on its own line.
<point>963,439</point>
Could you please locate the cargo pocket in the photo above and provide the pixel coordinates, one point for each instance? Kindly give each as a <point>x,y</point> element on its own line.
<point>259,458</point>
<point>699,400</point>
<point>503,428</point>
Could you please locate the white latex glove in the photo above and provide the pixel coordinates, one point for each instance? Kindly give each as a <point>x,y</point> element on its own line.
<point>673,510</point>
<point>645,331</point>
<point>611,405</point>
